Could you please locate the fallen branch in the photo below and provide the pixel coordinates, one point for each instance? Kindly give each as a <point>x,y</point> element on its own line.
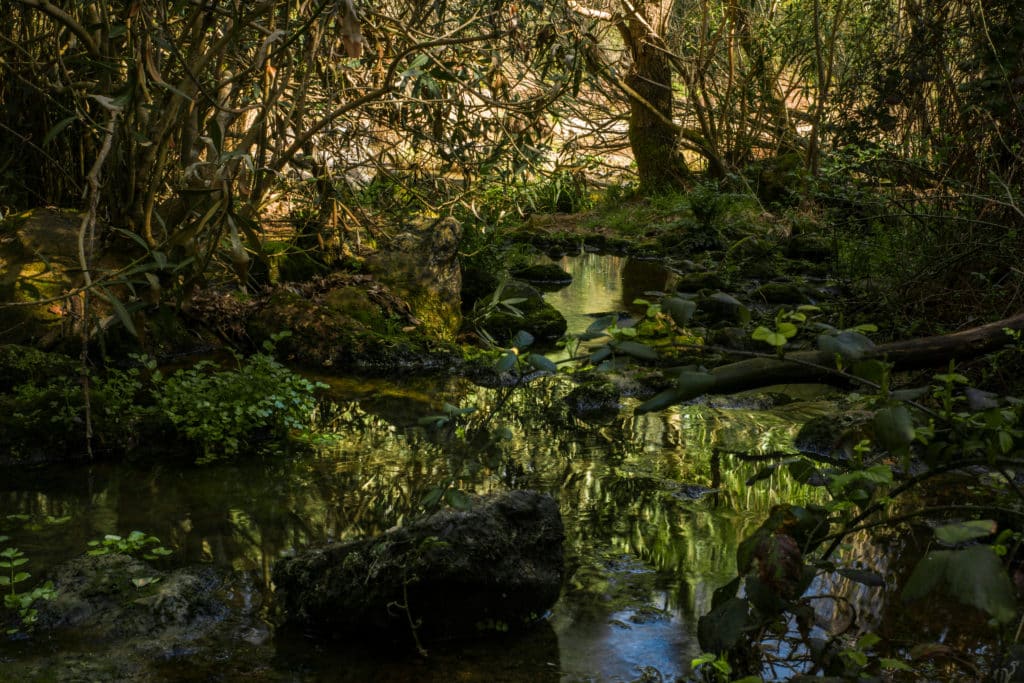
<point>801,367</point>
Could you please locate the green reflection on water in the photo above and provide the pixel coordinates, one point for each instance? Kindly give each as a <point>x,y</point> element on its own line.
<point>645,549</point>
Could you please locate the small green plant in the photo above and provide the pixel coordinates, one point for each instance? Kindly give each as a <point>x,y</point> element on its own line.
<point>786,327</point>
<point>224,411</point>
<point>137,542</point>
<point>10,561</point>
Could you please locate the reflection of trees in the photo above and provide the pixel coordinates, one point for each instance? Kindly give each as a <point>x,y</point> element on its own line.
<point>619,484</point>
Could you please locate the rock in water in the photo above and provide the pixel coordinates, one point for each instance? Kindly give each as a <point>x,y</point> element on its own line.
<point>496,567</point>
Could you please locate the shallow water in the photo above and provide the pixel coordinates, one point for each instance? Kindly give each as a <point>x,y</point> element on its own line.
<point>653,514</point>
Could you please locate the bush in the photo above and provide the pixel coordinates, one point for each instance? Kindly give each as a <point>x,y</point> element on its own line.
<point>224,411</point>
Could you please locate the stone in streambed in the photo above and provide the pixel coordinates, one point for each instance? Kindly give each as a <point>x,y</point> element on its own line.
<point>496,567</point>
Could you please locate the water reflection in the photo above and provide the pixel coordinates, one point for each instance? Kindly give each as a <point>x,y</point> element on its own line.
<point>605,284</point>
<point>645,549</point>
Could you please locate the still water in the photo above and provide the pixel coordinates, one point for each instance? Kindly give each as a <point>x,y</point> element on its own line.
<point>653,515</point>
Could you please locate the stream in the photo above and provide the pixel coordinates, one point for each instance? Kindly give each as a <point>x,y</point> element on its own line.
<point>653,516</point>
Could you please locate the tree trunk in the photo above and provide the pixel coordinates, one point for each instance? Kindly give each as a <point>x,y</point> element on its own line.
<point>816,366</point>
<point>653,136</point>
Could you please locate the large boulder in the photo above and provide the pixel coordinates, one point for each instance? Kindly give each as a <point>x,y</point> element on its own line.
<point>422,268</point>
<point>496,567</point>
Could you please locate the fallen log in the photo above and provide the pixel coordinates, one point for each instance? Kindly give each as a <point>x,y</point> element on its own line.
<point>801,367</point>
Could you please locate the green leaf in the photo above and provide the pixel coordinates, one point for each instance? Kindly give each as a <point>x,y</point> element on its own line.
<point>432,497</point>
<point>723,628</point>
<point>522,340</point>
<point>22,576</point>
<point>961,532</point>
<point>894,664</point>
<point>120,311</point>
<point>600,354</point>
<point>56,129</point>
<point>974,576</point>
<point>637,350</point>
<point>849,345</point>
<point>542,363</point>
<point>506,362</point>
<point>602,323</point>
<point>787,330</point>
<point>458,499</point>
<point>769,337</point>
<point>894,428</point>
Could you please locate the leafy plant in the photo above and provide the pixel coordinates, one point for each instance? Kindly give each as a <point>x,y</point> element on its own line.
<point>10,560</point>
<point>224,411</point>
<point>135,542</point>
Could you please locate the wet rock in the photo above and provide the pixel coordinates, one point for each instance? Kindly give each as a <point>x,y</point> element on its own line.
<point>734,338</point>
<point>781,293</point>
<point>832,438</point>
<point>545,275</point>
<point>118,618</point>
<point>498,566</point>
<point>694,282</point>
<point>422,268</point>
<point>357,328</point>
<point>539,318</point>
<point>723,308</point>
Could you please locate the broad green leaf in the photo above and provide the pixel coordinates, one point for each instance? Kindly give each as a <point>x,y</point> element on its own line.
<point>433,497</point>
<point>522,339</point>
<point>542,363</point>
<point>600,354</point>
<point>974,576</point>
<point>787,330</point>
<point>866,577</point>
<point>722,628</point>
<point>977,577</point>
<point>22,576</point>
<point>506,362</point>
<point>961,532</point>
<point>458,499</point>
<point>894,428</point>
<point>849,345</point>
<point>868,641</point>
<point>637,350</point>
<point>602,323</point>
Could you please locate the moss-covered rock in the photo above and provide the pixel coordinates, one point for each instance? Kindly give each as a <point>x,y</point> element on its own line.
<point>495,567</point>
<point>694,282</point>
<point>422,268</point>
<point>342,329</point>
<point>539,318</point>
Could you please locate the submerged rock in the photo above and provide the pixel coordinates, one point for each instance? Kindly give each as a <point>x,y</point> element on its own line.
<point>496,567</point>
<point>120,619</point>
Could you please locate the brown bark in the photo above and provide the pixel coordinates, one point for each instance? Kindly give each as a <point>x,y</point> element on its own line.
<point>817,366</point>
<point>653,136</point>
